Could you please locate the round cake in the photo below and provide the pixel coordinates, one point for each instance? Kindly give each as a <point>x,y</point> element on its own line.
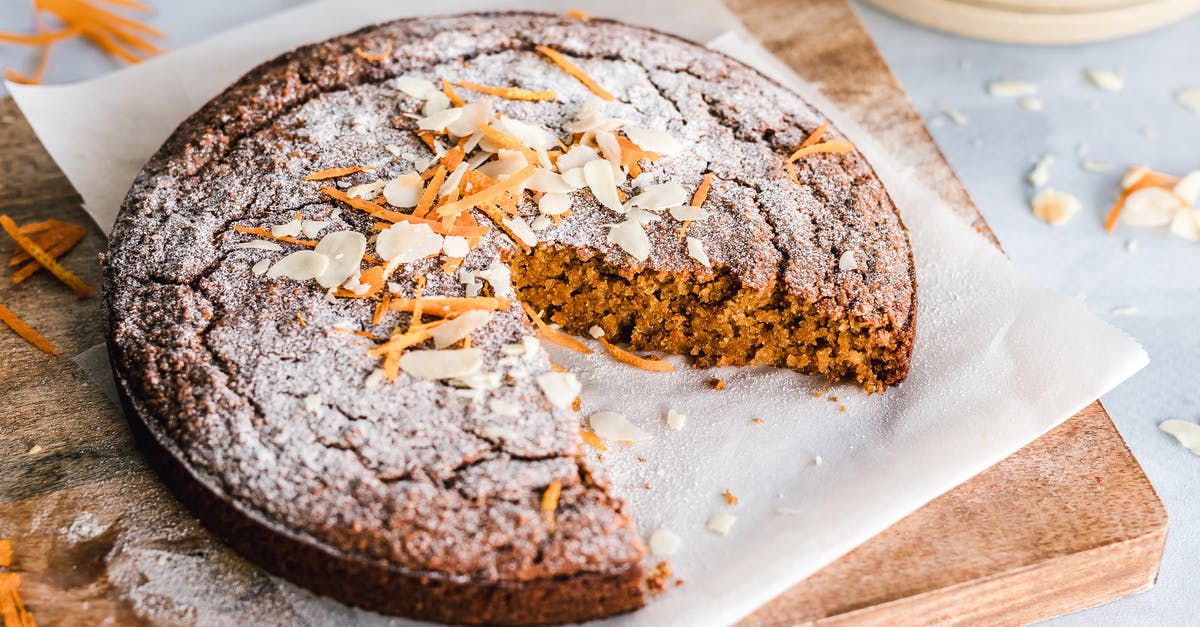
<point>325,294</point>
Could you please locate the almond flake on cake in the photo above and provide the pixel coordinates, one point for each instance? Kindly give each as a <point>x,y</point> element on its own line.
<point>632,238</point>
<point>287,229</point>
<point>613,426</point>
<point>405,242</point>
<point>695,250</point>
<point>847,262</point>
<point>441,364</point>
<point>599,177</point>
<point>654,140</point>
<point>404,191</point>
<point>301,265</point>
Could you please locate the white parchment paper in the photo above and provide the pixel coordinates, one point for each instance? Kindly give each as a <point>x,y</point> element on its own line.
<point>998,360</point>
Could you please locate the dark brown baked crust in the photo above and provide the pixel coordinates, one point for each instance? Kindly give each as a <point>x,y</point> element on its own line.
<point>399,498</point>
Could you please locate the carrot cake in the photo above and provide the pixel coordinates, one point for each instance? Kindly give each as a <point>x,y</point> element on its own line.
<point>325,293</point>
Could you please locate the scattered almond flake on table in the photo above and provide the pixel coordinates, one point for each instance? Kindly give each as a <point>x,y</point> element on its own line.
<point>1030,103</point>
<point>560,388</point>
<point>664,542</point>
<point>1189,98</point>
<point>1187,433</point>
<point>675,420</point>
<point>1131,245</point>
<point>1040,174</point>
<point>1127,310</point>
<point>1106,80</point>
<point>441,364</point>
<point>847,262</point>
<point>34,450</point>
<point>1011,89</point>
<point>1054,206</point>
<point>695,250</point>
<point>613,426</point>
<point>1095,166</point>
<point>721,523</point>
<point>818,460</point>
<point>1151,207</point>
<point>956,116</point>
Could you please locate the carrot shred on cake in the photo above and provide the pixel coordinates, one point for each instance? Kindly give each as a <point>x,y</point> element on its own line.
<point>574,70</point>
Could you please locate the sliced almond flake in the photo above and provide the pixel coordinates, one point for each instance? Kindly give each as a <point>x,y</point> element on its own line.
<point>554,204</point>
<point>1095,166</point>
<point>541,223</point>
<point>1150,206</point>
<point>721,523</point>
<point>543,159</point>
<point>546,181</point>
<point>695,250</point>
<point>453,180</point>
<point>529,134</point>
<point>1011,89</point>
<point>1133,174</point>
<point>479,381</point>
<point>441,364</point>
<point>560,388</point>
<point>616,427</point>
<point>394,150</point>
<point>456,246</point>
<point>1124,311</point>
<point>498,275</point>
<point>313,228</point>
<point>1055,207</point>
<point>1029,103</point>
<point>1188,188</point>
<point>496,432</point>
<point>312,402</point>
<point>688,213</point>
<point>1040,174</point>
<point>610,148</point>
<point>414,86</point>
<point>575,178</point>
<point>507,163</point>
<point>675,420</point>
<point>424,163</point>
<point>664,542</point>
<point>654,140</point>
<point>1187,433</point>
<point>440,120</point>
<point>289,229</point>
<point>641,216</point>
<point>301,265</point>
<point>577,157</point>
<point>458,328</point>
<point>467,125</point>
<point>395,288</point>
<point>589,120</point>
<point>1189,98</point>
<point>521,229</point>
<point>404,191</point>
<point>596,331</point>
<point>478,159</point>
<point>259,268</point>
<point>847,262</point>
<point>405,242</point>
<point>367,191</point>
<point>374,379</point>
<point>632,238</point>
<point>956,116</point>
<point>1106,80</point>
<point>599,177</point>
<point>260,244</point>
<point>661,196</point>
<point>504,408</point>
<point>345,250</point>
<point>1186,224</point>
<point>435,102</point>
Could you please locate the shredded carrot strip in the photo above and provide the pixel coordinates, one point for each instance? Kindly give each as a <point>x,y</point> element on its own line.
<point>425,203</point>
<point>632,154</point>
<point>376,56</point>
<point>382,308</point>
<point>5,552</point>
<point>25,331</point>
<point>579,15</point>
<point>448,89</point>
<point>39,72</point>
<point>470,232</point>
<point>332,173</point>
<point>75,283</point>
<point>429,139</point>
<point>791,170</point>
<point>834,146</point>
<point>554,335</point>
<point>52,235</point>
<point>593,440</point>
<point>496,215</point>
<point>569,67</point>
<point>508,141</point>
<point>1149,179</point>
<point>58,249</point>
<point>12,609</point>
<point>374,210</point>
<point>372,276</point>
<point>550,501</point>
<point>261,232</point>
<point>30,228</point>
<point>40,39</point>
<point>702,192</point>
<point>815,136</point>
<point>511,93</point>
<point>627,357</point>
<point>449,306</point>
<point>487,194</point>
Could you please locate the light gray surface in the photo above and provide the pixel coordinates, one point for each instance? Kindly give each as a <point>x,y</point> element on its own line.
<point>992,154</point>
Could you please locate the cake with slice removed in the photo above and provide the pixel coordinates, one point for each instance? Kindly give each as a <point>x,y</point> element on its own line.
<point>315,295</point>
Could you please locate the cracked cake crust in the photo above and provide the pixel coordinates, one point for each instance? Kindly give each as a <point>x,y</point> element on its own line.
<point>258,414</point>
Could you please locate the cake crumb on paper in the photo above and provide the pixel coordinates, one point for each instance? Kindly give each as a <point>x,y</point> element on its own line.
<point>729,497</point>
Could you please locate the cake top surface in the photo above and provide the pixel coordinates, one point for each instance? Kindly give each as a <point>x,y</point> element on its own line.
<point>265,381</point>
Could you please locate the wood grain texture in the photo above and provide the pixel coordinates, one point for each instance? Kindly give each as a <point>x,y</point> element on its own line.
<point>1066,523</point>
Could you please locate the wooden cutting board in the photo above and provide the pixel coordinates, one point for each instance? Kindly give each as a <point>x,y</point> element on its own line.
<point>1068,522</point>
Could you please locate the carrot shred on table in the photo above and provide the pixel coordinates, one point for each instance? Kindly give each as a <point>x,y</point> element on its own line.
<point>25,331</point>
<point>832,146</point>
<point>48,234</point>
<point>375,57</point>
<point>487,194</point>
<point>452,95</point>
<point>509,93</point>
<point>332,173</point>
<point>550,502</point>
<point>593,440</point>
<point>574,70</point>
<point>56,250</point>
<point>1147,179</point>
<point>425,202</point>
<point>626,357</point>
<point>261,232</point>
<point>815,136</point>
<point>554,335</point>
<point>75,283</point>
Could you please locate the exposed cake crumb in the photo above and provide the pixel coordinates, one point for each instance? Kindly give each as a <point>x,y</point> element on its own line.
<point>717,383</point>
<point>659,577</point>
<point>757,421</point>
<point>729,497</point>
